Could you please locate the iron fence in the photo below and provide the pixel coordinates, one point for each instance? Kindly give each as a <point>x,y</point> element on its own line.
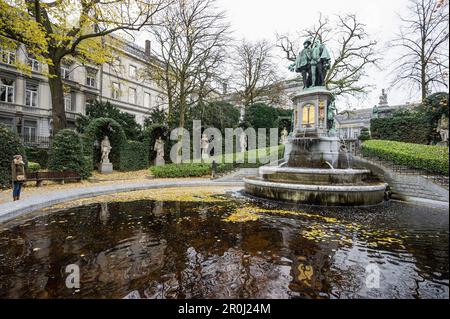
<point>36,141</point>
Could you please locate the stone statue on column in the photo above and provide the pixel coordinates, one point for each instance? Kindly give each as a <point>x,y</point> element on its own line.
<point>243,142</point>
<point>159,148</point>
<point>205,146</point>
<point>106,166</point>
<point>284,136</point>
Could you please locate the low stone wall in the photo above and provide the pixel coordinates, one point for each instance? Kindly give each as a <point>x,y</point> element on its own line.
<point>16,209</point>
<point>410,188</point>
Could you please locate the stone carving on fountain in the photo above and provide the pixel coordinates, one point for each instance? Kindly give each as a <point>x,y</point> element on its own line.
<point>317,166</point>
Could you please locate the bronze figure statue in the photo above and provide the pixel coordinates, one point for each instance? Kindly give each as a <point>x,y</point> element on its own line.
<point>313,62</point>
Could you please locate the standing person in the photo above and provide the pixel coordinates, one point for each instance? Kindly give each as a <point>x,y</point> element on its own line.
<point>18,175</point>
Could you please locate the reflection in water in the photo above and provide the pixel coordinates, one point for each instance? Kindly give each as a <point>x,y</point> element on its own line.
<point>104,213</point>
<point>186,250</point>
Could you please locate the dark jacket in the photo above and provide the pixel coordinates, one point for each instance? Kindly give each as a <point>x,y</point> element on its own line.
<point>17,169</point>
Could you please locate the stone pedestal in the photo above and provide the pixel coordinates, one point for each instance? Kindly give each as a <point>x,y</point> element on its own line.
<point>159,161</point>
<point>310,112</point>
<point>106,168</point>
<point>311,145</point>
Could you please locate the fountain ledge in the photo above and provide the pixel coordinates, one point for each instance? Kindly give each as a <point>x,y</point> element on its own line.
<point>330,188</point>
<point>273,170</point>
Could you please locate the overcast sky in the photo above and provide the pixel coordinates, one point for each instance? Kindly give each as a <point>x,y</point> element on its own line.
<point>262,19</point>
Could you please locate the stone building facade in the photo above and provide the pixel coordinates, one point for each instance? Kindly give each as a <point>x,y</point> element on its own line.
<point>351,122</point>
<point>25,100</point>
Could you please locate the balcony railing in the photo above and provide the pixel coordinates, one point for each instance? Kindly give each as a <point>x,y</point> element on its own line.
<point>35,141</point>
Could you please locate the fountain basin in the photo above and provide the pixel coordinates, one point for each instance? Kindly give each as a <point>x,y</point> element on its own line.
<point>312,176</point>
<point>325,195</point>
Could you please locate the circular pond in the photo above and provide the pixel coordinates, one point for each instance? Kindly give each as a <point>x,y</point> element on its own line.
<point>195,244</point>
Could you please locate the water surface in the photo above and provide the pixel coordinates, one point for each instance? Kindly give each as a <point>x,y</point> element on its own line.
<point>187,250</point>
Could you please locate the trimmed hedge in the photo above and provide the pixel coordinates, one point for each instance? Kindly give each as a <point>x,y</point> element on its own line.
<point>134,156</point>
<point>204,169</point>
<point>365,134</point>
<point>402,127</point>
<point>67,154</point>
<point>431,158</point>
<point>10,145</point>
<point>187,170</point>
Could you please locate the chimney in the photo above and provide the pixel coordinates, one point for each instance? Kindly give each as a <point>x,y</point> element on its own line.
<point>147,48</point>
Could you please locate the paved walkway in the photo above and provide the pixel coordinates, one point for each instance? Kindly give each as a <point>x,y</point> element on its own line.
<point>38,201</point>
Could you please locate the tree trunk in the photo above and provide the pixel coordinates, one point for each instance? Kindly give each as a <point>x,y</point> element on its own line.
<point>57,93</point>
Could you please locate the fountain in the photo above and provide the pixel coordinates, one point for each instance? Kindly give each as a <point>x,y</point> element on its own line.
<point>317,167</point>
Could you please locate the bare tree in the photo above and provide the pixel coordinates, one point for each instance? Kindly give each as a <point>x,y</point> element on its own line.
<point>423,41</point>
<point>255,72</point>
<point>351,48</point>
<point>190,46</point>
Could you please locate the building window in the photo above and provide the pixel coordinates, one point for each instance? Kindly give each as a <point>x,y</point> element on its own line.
<point>132,95</point>
<point>132,71</point>
<point>68,105</point>
<point>31,95</point>
<point>6,90</point>
<point>147,100</point>
<point>90,81</point>
<point>115,90</point>
<point>7,57</point>
<point>29,131</point>
<point>34,64</point>
<point>65,72</point>
<point>91,76</point>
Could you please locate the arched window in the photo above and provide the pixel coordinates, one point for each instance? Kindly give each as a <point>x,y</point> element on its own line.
<point>308,116</point>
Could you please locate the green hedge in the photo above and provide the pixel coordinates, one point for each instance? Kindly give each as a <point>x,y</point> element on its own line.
<point>204,169</point>
<point>402,127</point>
<point>427,157</point>
<point>67,154</point>
<point>187,170</point>
<point>134,156</point>
<point>10,145</point>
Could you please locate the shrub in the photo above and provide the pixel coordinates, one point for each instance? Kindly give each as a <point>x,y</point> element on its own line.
<point>427,157</point>
<point>204,169</point>
<point>365,134</point>
<point>67,153</point>
<point>187,170</point>
<point>33,167</point>
<point>432,109</point>
<point>37,155</point>
<point>10,145</point>
<point>405,127</point>
<point>134,156</point>
<point>98,109</point>
<point>261,115</point>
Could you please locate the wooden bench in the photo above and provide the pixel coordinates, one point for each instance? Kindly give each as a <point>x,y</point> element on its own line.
<point>61,177</point>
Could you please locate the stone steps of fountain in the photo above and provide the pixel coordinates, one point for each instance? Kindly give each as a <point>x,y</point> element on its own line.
<point>416,191</point>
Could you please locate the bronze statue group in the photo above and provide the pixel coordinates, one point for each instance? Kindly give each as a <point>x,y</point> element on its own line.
<point>313,62</point>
